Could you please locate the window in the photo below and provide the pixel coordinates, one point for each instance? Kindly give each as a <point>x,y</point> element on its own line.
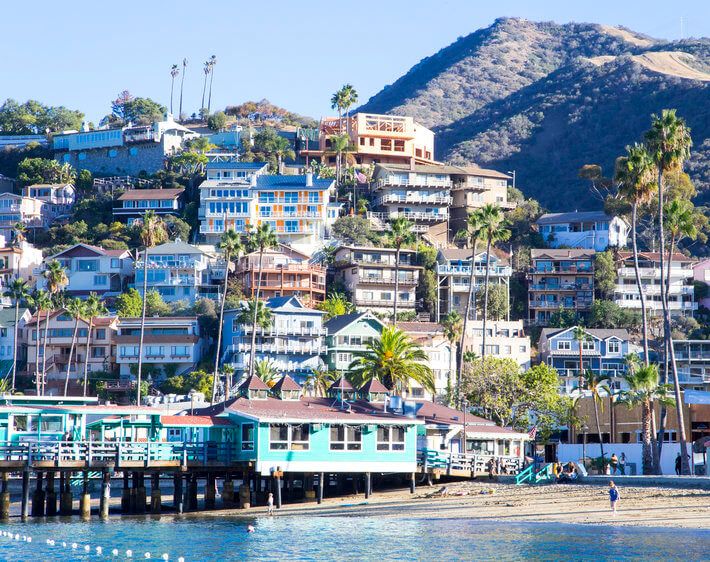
<point>180,351</point>
<point>115,263</point>
<point>313,197</point>
<point>52,424</point>
<point>390,438</point>
<point>248,437</point>
<point>289,437</point>
<point>154,351</point>
<point>19,423</point>
<point>345,357</point>
<point>98,352</point>
<point>291,197</point>
<point>87,265</point>
<point>345,438</point>
<point>564,344</point>
<point>614,347</point>
<point>588,345</point>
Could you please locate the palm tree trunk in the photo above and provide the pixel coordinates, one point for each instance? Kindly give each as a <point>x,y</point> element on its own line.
<point>182,84</point>
<point>471,283</point>
<point>664,306</point>
<point>15,345</point>
<point>209,98</point>
<point>396,284</point>
<point>485,296</point>
<point>204,89</point>
<point>71,353</point>
<point>599,427</point>
<point>172,88</point>
<point>580,377</point>
<point>252,358</point>
<point>644,312</point>
<point>44,353</point>
<point>86,357</point>
<point>219,337</point>
<point>647,454</point>
<point>142,336</point>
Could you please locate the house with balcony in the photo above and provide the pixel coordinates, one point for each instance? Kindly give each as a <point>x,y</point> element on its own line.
<point>132,204</point>
<point>453,270</point>
<point>59,198</point>
<point>348,335</point>
<point>590,230</point>
<point>473,187</point>
<point>368,275</point>
<point>701,274</point>
<point>441,357</point>
<point>603,352</point>
<point>172,345</point>
<point>91,269</point>
<point>293,343</point>
<point>180,271</point>
<point>504,338</point>
<point>31,212</point>
<point>284,273</point>
<point>18,260</point>
<point>560,280</point>
<point>693,362</point>
<point>681,294</point>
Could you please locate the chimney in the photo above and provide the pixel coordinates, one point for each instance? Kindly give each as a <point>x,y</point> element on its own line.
<point>309,179</point>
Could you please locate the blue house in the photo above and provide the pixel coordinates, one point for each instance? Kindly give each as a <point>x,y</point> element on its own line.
<point>603,352</point>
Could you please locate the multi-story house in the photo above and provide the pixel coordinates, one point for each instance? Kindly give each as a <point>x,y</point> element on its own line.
<point>92,269</point>
<point>284,273</point>
<point>453,269</point>
<point>179,271</point>
<point>693,363</point>
<point>132,205</point>
<point>349,335</point>
<point>681,291</point>
<point>368,275</point>
<point>18,260</point>
<point>473,187</point>
<point>504,338</point>
<point>8,345</point>
<point>593,230</point>
<point>420,193</point>
<point>603,352</point>
<point>560,279</point>
<point>126,151</point>
<point>701,274</point>
<point>441,357</point>
<point>59,198</point>
<point>171,345</point>
<point>29,211</point>
<point>376,139</point>
<point>293,343</point>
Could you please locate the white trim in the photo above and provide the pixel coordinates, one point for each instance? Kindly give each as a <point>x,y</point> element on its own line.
<point>338,421</point>
<point>343,466</point>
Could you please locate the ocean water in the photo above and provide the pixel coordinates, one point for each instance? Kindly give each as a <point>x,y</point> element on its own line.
<point>347,538</point>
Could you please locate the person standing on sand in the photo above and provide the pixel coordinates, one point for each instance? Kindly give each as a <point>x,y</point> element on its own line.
<point>270,504</point>
<point>613,496</point>
<point>677,465</point>
<point>622,464</point>
<point>613,463</point>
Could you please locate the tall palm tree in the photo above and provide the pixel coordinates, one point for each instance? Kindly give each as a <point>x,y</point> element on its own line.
<point>339,144</point>
<point>153,232</point>
<point>635,172</point>
<point>18,290</point>
<point>93,308</point>
<point>453,326</point>
<point>262,238</point>
<point>281,148</point>
<point>349,98</point>
<point>182,84</point>
<point>319,381</point>
<point>42,300</point>
<point>644,390</point>
<point>401,232</point>
<point>494,230</point>
<point>212,62</point>
<point>338,101</point>
<point>174,71</point>
<point>393,359</point>
<point>668,141</point>
<point>598,387</point>
<point>56,278</point>
<point>231,246</point>
<point>77,310</point>
<point>580,335</point>
<point>206,68</point>
<point>681,222</point>
<point>256,313</point>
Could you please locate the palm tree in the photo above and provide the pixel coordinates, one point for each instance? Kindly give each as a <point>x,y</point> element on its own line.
<point>77,310</point>
<point>262,238</point>
<point>453,326</point>
<point>320,380</point>
<point>43,301</point>
<point>393,359</point>
<point>19,231</point>
<point>681,222</point>
<point>206,68</point>
<point>152,233</point>
<point>339,144</point>
<point>182,83</point>
<point>349,98</point>
<point>174,71</point>
<point>336,304</point>
<point>645,389</point>
<point>281,148</point>
<point>212,62</point>
<point>18,290</point>
<point>231,246</point>
<point>580,335</point>
<point>93,308</point>
<point>401,232</point>
<point>266,370</point>
<point>598,387</point>
<point>56,278</point>
<point>256,313</point>
<point>668,141</point>
<point>494,229</point>
<point>338,101</point>
<point>635,173</point>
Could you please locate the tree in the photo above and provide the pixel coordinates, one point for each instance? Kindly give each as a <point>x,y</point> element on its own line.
<point>44,170</point>
<point>206,69</point>
<point>217,121</point>
<point>56,279</point>
<point>401,232</point>
<point>609,315</point>
<point>266,370</point>
<point>498,302</point>
<point>336,304</point>
<point>182,83</point>
<point>155,304</point>
<point>580,335</point>
<point>319,380</point>
<point>152,233</point>
<point>604,274</point>
<point>212,62</point>
<point>33,117</point>
<point>18,290</point>
<point>77,310</point>
<point>174,71</point>
<point>129,304</point>
<point>393,359</point>
<point>231,246</point>
<point>261,238</point>
<point>453,326</point>
<point>597,386</point>
<point>139,111</point>
<point>339,144</point>
<point>93,308</point>
<point>42,300</point>
<point>644,390</point>
<point>668,141</point>
<point>255,313</point>
<point>354,230</point>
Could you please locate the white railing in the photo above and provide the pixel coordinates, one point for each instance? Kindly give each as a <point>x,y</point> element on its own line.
<point>412,215</point>
<point>415,199</point>
<point>417,182</point>
<point>676,272</point>
<point>675,289</point>
<point>285,331</point>
<point>503,271</point>
<point>294,347</point>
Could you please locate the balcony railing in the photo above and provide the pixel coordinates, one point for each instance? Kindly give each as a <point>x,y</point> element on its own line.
<point>416,182</point>
<point>380,280</point>
<point>556,305</point>
<point>360,301</point>
<point>415,199</point>
<point>500,271</point>
<point>676,272</point>
<point>285,331</point>
<point>561,287</point>
<point>411,215</point>
<point>292,215</point>
<point>566,269</point>
<point>215,214</point>
<point>675,289</point>
<point>281,348</point>
<point>280,267</point>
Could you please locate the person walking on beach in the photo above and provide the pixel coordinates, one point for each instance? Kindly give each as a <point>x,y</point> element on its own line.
<point>613,496</point>
<point>270,504</point>
<point>622,464</point>
<point>677,465</point>
<point>613,463</point>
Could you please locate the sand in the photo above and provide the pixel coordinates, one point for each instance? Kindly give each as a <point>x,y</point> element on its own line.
<point>672,63</point>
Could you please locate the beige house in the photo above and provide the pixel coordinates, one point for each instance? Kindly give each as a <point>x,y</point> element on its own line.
<point>473,187</point>
<point>18,260</point>
<point>504,339</point>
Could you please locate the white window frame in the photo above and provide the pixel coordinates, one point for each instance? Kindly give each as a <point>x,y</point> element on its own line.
<point>291,444</point>
<point>348,442</point>
<point>617,346</point>
<point>390,444</point>
<point>247,444</point>
<point>588,345</point>
<point>565,345</point>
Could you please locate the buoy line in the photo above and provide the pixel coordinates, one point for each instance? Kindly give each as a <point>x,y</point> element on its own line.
<point>87,548</point>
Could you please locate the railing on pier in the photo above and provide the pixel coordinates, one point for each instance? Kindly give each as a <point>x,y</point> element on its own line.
<point>452,463</point>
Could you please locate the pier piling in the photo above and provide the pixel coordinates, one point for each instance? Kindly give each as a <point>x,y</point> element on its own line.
<point>277,491</point>
<point>126,493</point>
<point>156,500</point>
<point>105,494</point>
<point>5,498</point>
<point>412,482</point>
<point>25,508</point>
<point>210,495</point>
<point>51,494</point>
<point>85,500</point>
<point>178,499</point>
<point>321,486</point>
<point>228,492</point>
<point>368,485</point>
<point>38,498</point>
<point>65,497</point>
<point>141,494</point>
<point>192,500</point>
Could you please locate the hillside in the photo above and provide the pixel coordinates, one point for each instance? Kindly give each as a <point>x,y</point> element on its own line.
<point>543,99</point>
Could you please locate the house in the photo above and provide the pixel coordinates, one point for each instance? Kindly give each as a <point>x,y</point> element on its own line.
<point>293,343</point>
<point>603,352</point>
<point>127,151</point>
<point>348,335</point>
<point>453,269</point>
<point>701,274</point>
<point>441,357</point>
<point>473,187</point>
<point>8,345</point>
<point>180,271</point>
<point>693,362</point>
<point>681,290</point>
<point>504,338</point>
<point>376,139</point>
<point>14,209</point>
<point>91,269</point>
<point>19,259</point>
<point>560,280</point>
<point>59,198</point>
<point>592,230</point>
<point>132,204</point>
<point>368,275</point>
<point>284,273</point>
<point>171,345</point>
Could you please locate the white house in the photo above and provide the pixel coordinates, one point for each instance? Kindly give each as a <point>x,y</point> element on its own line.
<point>31,212</point>
<point>504,338</point>
<point>7,338</point>
<point>593,230</point>
<point>441,357</point>
<point>59,198</point>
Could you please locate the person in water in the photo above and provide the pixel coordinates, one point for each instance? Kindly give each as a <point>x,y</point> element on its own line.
<point>250,528</point>
<point>613,496</point>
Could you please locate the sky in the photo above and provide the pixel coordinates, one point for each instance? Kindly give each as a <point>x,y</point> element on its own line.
<point>81,54</point>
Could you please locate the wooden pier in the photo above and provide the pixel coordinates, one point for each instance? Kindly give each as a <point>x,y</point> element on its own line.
<point>459,465</point>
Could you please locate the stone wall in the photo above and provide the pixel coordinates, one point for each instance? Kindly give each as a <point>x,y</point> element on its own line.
<point>128,160</point>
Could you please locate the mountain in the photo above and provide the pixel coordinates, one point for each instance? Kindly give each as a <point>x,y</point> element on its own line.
<point>544,98</point>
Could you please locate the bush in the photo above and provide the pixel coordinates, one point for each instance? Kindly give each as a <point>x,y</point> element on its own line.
<point>217,121</point>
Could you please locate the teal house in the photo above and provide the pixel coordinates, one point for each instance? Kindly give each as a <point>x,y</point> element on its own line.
<point>349,334</point>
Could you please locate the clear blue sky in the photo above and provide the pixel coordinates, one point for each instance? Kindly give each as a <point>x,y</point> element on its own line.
<point>295,53</point>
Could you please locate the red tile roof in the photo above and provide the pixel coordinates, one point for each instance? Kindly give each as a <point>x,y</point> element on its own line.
<point>341,384</point>
<point>253,383</point>
<point>286,383</point>
<point>655,256</point>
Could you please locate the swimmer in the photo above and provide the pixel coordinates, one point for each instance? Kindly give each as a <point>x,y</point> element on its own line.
<point>250,528</point>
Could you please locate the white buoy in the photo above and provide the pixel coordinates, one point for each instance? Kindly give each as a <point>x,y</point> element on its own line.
<point>165,556</point>
<point>29,539</point>
<point>17,537</point>
<point>64,545</point>
<point>24,537</point>
<point>129,553</point>
<point>114,552</point>
<point>74,545</point>
<point>99,550</point>
<point>87,548</point>
<point>181,559</point>
<point>147,555</point>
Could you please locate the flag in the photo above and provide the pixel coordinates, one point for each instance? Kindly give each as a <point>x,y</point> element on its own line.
<point>532,433</point>
<point>361,178</point>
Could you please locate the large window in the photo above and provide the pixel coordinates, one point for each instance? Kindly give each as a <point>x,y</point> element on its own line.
<point>564,344</point>
<point>289,437</point>
<point>87,265</point>
<point>390,438</point>
<point>345,438</point>
<point>248,437</point>
<point>614,346</point>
